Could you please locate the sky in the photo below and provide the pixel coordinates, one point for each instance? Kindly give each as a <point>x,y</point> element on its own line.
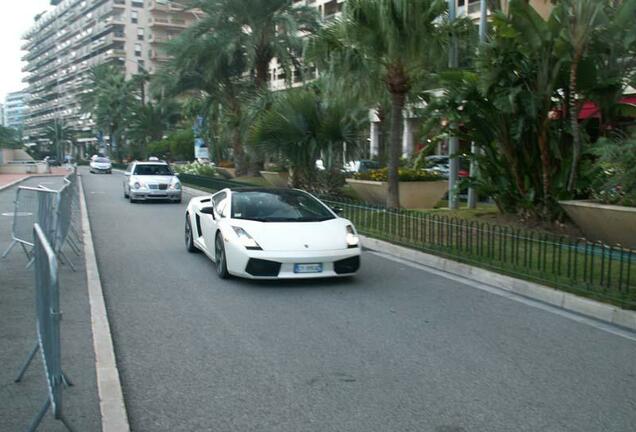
<point>14,22</point>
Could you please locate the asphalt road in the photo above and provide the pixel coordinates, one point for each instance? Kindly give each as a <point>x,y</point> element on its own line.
<point>395,349</point>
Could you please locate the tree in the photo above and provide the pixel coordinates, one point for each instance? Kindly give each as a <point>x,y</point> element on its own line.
<point>59,133</point>
<point>263,29</point>
<point>613,61</point>
<point>216,79</point>
<point>9,138</point>
<point>300,126</point>
<point>109,98</point>
<point>514,105</point>
<point>396,41</point>
<point>151,121</point>
<point>256,32</point>
<point>582,18</point>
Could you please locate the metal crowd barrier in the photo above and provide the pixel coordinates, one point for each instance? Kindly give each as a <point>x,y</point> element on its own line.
<point>58,215</point>
<point>47,299</point>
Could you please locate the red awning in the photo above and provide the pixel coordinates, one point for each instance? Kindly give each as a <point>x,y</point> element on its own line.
<point>591,110</point>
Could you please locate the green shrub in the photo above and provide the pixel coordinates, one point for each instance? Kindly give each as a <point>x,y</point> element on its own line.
<point>196,168</point>
<point>617,159</point>
<point>405,175</point>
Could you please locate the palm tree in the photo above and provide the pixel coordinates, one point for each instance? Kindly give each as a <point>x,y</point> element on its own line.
<point>217,79</point>
<point>151,121</point>
<point>109,98</point>
<point>614,59</point>
<point>258,31</point>
<point>396,41</point>
<point>582,17</point>
<point>263,29</point>
<point>58,133</point>
<point>300,126</point>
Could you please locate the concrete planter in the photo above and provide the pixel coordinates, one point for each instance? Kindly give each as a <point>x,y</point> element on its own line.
<point>25,168</point>
<point>227,172</point>
<point>608,223</point>
<point>276,179</point>
<point>413,195</point>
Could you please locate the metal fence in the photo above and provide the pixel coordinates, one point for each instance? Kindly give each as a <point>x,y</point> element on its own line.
<point>48,327</point>
<point>594,269</point>
<point>57,212</point>
<point>212,183</point>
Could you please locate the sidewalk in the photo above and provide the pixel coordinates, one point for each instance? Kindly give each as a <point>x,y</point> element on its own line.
<point>9,179</point>
<point>19,403</point>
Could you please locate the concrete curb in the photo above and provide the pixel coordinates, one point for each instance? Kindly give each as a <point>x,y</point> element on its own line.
<point>111,398</point>
<point>563,300</point>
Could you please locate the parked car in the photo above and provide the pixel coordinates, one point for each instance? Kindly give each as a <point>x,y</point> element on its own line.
<point>52,161</point>
<point>361,166</point>
<point>100,165</point>
<point>441,165</point>
<point>151,181</point>
<point>262,233</point>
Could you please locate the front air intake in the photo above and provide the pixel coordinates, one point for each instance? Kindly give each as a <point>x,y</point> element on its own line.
<point>349,265</point>
<point>259,267</point>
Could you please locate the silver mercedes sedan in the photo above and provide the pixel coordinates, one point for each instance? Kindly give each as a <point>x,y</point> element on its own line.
<point>152,180</point>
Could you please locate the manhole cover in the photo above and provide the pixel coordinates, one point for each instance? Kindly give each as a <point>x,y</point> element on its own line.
<point>17,214</point>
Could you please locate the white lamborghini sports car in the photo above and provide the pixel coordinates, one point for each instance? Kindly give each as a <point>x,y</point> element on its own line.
<point>261,233</point>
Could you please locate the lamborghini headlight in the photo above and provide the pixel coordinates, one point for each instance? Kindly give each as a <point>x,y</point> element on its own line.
<point>245,239</point>
<point>353,241</point>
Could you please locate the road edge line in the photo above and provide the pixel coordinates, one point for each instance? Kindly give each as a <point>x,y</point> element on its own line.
<point>606,313</point>
<point>111,398</point>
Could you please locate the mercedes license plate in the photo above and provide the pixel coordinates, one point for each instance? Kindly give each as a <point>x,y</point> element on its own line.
<point>307,268</point>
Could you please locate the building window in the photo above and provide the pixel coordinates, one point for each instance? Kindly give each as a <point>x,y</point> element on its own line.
<point>141,66</point>
<point>138,50</point>
<point>138,3</point>
<point>140,34</point>
<point>134,17</point>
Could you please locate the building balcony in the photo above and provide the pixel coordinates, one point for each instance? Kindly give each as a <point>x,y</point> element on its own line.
<point>167,22</point>
<point>158,38</point>
<point>165,6</point>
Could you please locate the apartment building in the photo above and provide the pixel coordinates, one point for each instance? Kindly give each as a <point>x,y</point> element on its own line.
<point>327,10</point>
<point>471,8</point>
<point>65,43</point>
<point>2,121</point>
<point>13,110</point>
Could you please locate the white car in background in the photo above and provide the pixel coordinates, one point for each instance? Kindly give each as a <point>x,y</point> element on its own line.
<point>262,233</point>
<point>148,181</point>
<point>100,165</point>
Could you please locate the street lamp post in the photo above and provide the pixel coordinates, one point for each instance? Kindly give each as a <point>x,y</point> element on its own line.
<point>453,142</point>
<point>474,169</point>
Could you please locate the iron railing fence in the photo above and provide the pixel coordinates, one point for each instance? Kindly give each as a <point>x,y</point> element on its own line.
<point>212,183</point>
<point>593,269</point>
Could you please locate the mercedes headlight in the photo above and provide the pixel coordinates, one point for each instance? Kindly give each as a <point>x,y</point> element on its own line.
<point>245,239</point>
